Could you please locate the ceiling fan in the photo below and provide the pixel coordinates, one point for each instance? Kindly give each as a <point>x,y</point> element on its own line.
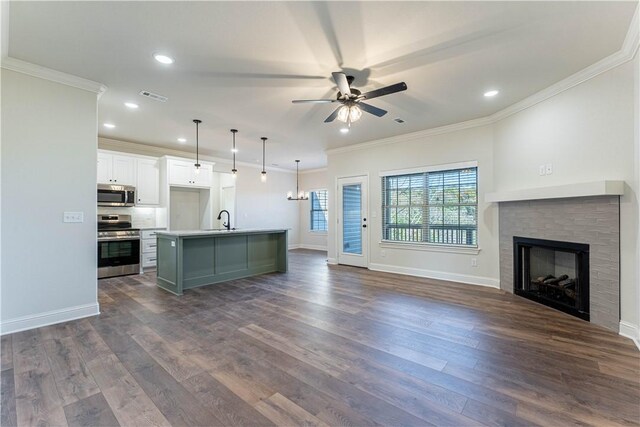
<point>352,99</point>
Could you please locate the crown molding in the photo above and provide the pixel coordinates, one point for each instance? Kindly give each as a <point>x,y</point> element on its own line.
<point>13,64</point>
<point>155,151</point>
<point>307,171</point>
<point>413,136</point>
<point>625,54</point>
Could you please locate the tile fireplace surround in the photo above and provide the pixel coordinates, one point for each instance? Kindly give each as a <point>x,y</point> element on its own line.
<point>594,220</point>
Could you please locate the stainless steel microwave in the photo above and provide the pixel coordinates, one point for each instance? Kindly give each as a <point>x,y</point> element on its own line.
<point>116,195</point>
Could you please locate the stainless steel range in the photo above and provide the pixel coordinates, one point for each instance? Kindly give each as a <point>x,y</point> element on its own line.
<point>118,246</point>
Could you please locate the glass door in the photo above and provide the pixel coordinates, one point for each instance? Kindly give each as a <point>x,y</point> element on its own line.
<point>352,221</point>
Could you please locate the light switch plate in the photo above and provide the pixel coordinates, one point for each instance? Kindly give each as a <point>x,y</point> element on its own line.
<point>542,170</point>
<point>549,169</point>
<point>73,217</point>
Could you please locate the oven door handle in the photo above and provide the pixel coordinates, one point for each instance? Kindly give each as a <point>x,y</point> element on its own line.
<point>117,239</point>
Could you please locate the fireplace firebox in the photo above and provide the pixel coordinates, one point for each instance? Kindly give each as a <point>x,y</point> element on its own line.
<point>553,273</point>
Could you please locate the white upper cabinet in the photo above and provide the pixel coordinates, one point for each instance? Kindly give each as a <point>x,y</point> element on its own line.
<point>182,173</point>
<point>116,169</point>
<point>147,182</point>
<point>105,168</point>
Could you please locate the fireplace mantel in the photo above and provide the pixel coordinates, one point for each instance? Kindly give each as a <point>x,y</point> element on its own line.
<point>584,189</point>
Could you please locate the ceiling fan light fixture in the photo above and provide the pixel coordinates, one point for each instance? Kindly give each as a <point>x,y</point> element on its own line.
<point>343,114</point>
<point>354,113</point>
<point>491,93</point>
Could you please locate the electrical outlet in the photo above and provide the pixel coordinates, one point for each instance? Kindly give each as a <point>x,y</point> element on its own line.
<point>542,170</point>
<point>73,217</point>
<point>549,169</point>
<point>474,262</point>
<point>383,253</point>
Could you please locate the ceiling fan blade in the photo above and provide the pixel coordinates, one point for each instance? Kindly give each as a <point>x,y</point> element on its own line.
<point>341,81</point>
<point>333,115</point>
<point>313,101</point>
<point>371,109</point>
<point>398,87</point>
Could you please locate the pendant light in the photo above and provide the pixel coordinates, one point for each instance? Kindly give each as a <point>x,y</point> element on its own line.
<point>263,174</point>
<point>197,164</point>
<point>300,195</point>
<point>234,171</point>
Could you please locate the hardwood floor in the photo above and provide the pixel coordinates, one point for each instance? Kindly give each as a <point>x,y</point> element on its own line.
<point>321,345</point>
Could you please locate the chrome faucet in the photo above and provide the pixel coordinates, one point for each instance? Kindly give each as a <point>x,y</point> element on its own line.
<point>227,224</point>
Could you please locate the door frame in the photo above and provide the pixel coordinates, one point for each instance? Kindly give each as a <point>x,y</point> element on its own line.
<point>338,209</point>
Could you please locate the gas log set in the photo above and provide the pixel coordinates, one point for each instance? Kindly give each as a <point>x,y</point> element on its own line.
<point>556,287</point>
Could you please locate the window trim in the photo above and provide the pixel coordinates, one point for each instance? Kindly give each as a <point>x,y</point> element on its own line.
<point>429,246</point>
<point>311,230</point>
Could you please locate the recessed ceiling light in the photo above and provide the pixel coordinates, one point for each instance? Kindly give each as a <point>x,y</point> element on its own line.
<point>234,150</point>
<point>491,93</point>
<point>163,59</point>
<point>131,105</point>
<point>182,140</point>
<point>109,125</point>
<point>344,130</point>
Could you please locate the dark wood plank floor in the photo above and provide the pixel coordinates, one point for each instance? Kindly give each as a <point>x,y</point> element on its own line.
<point>320,345</point>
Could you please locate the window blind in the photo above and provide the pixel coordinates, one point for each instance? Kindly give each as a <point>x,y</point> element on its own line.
<point>431,207</point>
<point>318,212</point>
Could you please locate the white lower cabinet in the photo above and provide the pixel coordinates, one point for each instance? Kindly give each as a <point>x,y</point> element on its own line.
<point>149,246</point>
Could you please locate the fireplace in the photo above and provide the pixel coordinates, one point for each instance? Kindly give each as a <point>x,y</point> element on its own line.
<point>553,273</point>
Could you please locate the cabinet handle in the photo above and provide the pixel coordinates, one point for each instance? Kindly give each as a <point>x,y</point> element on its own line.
<point>152,246</point>
<point>152,259</point>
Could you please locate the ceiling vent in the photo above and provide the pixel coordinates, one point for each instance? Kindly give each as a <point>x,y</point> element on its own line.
<point>398,120</point>
<point>153,96</point>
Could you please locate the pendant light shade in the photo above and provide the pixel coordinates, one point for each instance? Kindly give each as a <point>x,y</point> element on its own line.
<point>263,174</point>
<point>300,195</point>
<point>234,171</point>
<point>197,164</point>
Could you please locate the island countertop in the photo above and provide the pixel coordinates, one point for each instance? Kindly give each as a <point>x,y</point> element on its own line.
<point>217,232</point>
<point>191,258</point>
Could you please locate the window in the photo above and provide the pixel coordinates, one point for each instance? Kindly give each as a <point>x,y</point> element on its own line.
<point>319,210</point>
<point>439,206</point>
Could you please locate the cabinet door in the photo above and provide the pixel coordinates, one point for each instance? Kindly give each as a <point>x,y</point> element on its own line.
<point>147,182</point>
<point>124,170</point>
<point>204,177</point>
<point>180,173</point>
<point>105,168</point>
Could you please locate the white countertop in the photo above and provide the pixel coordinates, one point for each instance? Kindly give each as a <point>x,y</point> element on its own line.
<point>188,233</point>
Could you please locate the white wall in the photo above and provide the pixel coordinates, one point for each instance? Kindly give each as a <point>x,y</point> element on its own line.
<point>636,73</point>
<point>409,152</point>
<point>310,181</point>
<point>48,167</point>
<point>587,133</point>
<point>264,204</point>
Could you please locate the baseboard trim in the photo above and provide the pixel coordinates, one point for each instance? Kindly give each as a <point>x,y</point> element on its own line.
<point>439,275</point>
<point>332,261</point>
<point>296,246</point>
<point>313,247</point>
<point>48,318</point>
<point>631,331</point>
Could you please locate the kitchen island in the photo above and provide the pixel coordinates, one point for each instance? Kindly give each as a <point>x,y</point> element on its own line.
<point>189,259</point>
